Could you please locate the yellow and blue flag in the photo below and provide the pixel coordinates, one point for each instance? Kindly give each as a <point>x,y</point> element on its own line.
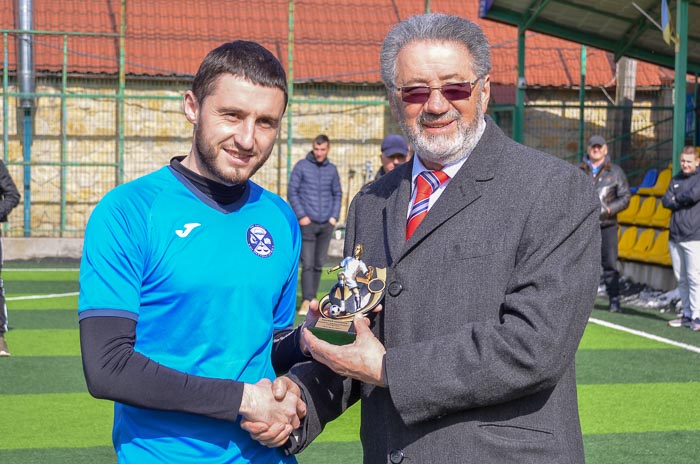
<point>666,22</point>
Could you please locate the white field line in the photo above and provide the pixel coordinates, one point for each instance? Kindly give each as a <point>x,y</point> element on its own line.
<point>640,333</point>
<point>40,297</point>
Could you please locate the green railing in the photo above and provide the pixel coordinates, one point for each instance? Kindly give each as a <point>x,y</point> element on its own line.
<point>94,131</point>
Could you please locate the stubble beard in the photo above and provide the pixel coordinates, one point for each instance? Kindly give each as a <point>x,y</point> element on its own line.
<point>445,149</point>
<point>208,155</point>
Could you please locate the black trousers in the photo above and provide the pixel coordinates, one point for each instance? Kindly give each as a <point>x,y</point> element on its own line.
<point>315,239</point>
<point>3,306</point>
<point>608,251</point>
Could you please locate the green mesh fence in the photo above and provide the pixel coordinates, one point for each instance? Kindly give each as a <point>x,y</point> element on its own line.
<point>110,76</point>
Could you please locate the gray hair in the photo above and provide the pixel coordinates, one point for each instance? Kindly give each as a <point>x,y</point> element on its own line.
<point>435,27</point>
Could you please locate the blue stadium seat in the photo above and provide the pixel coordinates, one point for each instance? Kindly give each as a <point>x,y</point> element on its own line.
<point>648,181</point>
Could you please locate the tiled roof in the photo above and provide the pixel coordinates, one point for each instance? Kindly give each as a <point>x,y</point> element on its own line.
<point>334,41</point>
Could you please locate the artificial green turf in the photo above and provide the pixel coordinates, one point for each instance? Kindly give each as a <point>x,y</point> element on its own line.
<point>345,428</point>
<point>44,342</point>
<point>40,304</point>
<point>637,408</point>
<point>650,321</point>
<point>41,374</point>
<point>34,287</point>
<point>43,319</point>
<point>675,447</point>
<point>55,420</point>
<point>597,337</point>
<point>632,391</point>
<point>93,455</point>
<point>636,366</point>
<point>332,453</point>
<point>67,277</point>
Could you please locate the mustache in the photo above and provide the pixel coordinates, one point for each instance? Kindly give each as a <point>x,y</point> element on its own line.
<point>433,118</point>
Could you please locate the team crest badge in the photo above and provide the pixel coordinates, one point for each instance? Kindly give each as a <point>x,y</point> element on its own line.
<point>260,241</point>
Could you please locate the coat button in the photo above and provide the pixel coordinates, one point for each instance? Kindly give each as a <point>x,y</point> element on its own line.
<point>396,456</point>
<point>395,288</point>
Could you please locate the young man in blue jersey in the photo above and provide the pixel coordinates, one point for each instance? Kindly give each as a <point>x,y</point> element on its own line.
<point>188,281</point>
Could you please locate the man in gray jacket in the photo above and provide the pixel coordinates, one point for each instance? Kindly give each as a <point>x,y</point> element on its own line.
<point>314,193</point>
<point>471,359</point>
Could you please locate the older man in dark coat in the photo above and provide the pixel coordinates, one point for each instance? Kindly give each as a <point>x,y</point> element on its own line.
<point>472,358</point>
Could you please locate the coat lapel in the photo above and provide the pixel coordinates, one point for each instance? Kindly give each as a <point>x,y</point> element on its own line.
<point>395,214</point>
<point>463,189</point>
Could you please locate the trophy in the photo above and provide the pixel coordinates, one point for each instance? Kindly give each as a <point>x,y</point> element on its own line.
<point>359,289</point>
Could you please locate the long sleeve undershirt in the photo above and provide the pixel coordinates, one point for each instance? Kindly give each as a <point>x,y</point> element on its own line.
<point>114,371</point>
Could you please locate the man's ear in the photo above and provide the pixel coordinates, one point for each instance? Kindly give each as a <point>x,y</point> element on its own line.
<point>190,107</point>
<point>392,105</point>
<point>485,92</point>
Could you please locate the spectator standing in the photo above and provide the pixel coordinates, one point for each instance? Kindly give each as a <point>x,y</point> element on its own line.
<point>614,194</point>
<point>315,195</point>
<point>9,198</point>
<point>394,153</point>
<point>188,276</point>
<point>683,199</point>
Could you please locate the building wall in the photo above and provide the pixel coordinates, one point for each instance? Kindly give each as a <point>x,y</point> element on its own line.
<point>76,154</point>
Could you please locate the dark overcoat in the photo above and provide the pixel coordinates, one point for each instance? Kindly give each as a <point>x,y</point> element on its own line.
<point>484,311</point>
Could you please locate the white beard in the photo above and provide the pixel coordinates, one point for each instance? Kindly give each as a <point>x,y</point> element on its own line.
<point>444,149</point>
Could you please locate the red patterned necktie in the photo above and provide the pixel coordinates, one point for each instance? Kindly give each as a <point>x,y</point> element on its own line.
<point>426,183</point>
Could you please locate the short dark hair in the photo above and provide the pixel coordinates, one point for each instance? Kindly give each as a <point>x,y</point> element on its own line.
<point>323,138</point>
<point>248,60</point>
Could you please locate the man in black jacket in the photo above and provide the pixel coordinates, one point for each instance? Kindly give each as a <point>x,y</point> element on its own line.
<point>9,198</point>
<point>614,193</point>
<point>683,199</point>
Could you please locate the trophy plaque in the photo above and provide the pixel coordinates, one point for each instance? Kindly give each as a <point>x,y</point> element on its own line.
<point>359,289</point>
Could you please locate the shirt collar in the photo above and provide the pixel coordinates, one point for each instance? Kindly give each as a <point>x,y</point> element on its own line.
<point>450,169</point>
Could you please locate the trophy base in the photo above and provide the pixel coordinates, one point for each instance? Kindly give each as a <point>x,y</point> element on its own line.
<point>334,331</point>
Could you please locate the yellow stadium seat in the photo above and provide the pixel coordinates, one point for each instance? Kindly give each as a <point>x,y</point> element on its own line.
<point>646,212</point>
<point>662,217</point>
<point>626,242</point>
<point>659,252</point>
<point>642,246</point>
<point>660,186</point>
<point>626,216</point>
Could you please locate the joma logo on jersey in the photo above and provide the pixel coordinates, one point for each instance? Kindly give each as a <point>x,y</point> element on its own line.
<point>182,233</point>
<point>260,241</point>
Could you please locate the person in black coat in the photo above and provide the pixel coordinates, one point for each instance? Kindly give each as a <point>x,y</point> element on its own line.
<point>9,198</point>
<point>614,194</point>
<point>683,199</point>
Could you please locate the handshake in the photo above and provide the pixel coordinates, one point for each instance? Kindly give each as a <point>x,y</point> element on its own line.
<point>272,410</point>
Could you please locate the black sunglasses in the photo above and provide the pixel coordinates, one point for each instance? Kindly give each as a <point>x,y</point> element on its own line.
<point>451,92</point>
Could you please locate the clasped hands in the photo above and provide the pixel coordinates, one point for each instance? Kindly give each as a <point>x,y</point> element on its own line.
<point>362,360</point>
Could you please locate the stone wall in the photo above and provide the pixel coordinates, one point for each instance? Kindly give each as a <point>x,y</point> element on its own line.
<point>76,155</point>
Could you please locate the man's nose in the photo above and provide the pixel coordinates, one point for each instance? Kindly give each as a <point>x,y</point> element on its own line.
<point>245,135</point>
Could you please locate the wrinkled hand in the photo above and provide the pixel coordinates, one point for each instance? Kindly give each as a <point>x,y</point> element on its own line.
<point>274,435</point>
<point>312,316</point>
<point>362,360</point>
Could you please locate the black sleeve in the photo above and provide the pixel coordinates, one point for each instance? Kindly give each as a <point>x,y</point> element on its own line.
<point>9,195</point>
<point>286,351</point>
<point>114,371</point>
